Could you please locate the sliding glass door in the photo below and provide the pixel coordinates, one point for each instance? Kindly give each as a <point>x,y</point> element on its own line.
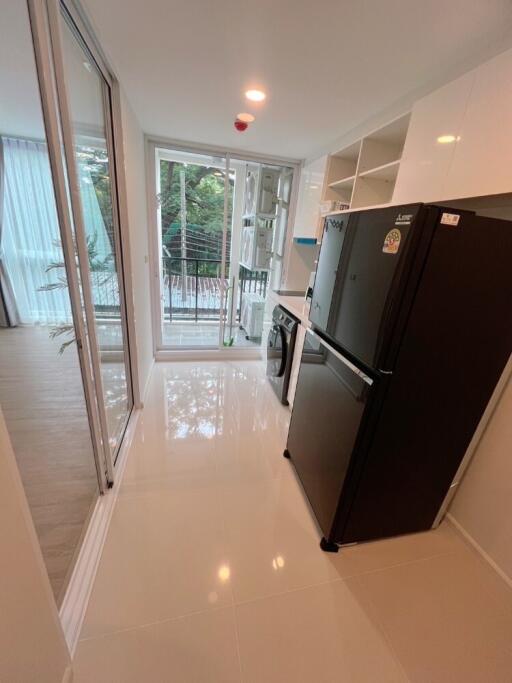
<point>195,200</point>
<point>49,410</point>
<point>66,388</point>
<point>90,124</point>
<point>221,234</point>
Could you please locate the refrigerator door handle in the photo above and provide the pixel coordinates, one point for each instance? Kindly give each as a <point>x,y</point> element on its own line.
<point>344,360</point>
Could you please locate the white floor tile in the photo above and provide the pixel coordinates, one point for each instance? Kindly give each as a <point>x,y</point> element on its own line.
<point>165,556</point>
<point>448,618</point>
<point>320,634</point>
<point>212,536</point>
<point>192,649</point>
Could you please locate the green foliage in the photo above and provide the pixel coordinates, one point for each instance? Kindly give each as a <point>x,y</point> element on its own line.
<point>96,263</point>
<point>204,193</point>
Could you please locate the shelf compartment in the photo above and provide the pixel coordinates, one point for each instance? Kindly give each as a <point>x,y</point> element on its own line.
<point>369,190</point>
<point>384,145</point>
<point>343,183</point>
<point>386,172</point>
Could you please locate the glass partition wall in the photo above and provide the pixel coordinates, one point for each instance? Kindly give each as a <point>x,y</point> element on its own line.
<point>221,227</point>
<point>65,387</point>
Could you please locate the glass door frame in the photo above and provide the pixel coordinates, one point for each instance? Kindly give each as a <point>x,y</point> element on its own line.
<point>153,144</point>
<point>80,227</point>
<point>45,17</point>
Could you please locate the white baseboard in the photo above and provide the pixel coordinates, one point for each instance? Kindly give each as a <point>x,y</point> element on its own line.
<point>479,549</point>
<point>210,354</point>
<point>146,385</point>
<point>74,605</point>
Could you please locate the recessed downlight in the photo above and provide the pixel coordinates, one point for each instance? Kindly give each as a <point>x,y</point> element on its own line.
<point>255,95</point>
<point>446,139</point>
<point>245,117</point>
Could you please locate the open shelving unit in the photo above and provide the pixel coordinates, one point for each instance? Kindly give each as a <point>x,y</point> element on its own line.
<point>363,174</point>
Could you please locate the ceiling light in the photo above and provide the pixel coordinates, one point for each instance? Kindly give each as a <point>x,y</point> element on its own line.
<point>255,95</point>
<point>224,573</point>
<point>245,117</point>
<point>445,139</point>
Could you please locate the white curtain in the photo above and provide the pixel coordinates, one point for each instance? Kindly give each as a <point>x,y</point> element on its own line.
<point>31,238</point>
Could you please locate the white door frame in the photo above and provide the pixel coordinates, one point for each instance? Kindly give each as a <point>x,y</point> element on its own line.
<point>44,66</point>
<point>45,17</point>
<point>152,172</point>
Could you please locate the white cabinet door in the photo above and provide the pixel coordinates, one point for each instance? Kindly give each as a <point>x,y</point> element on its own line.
<point>308,202</point>
<point>482,162</point>
<point>426,161</point>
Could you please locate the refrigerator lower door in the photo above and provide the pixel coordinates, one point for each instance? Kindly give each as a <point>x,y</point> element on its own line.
<point>328,410</point>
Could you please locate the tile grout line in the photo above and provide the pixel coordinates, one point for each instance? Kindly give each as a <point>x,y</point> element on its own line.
<point>381,627</point>
<point>341,578</point>
<point>148,624</point>
<point>237,638</point>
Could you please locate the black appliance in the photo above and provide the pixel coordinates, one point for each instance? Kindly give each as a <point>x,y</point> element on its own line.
<point>280,347</point>
<point>411,330</point>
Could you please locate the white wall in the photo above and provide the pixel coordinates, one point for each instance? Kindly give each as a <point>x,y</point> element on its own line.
<point>134,159</point>
<point>483,505</point>
<point>301,262</point>
<point>32,645</point>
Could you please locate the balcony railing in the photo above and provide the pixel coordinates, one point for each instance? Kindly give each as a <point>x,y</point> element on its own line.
<point>193,287</point>
<point>105,293</point>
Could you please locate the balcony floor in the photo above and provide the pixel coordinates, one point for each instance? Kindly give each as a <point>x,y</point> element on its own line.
<point>204,334</point>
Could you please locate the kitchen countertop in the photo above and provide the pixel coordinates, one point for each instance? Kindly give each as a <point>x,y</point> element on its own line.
<point>297,306</point>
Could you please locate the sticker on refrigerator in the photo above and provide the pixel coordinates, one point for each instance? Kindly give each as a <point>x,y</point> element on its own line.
<point>392,241</point>
<point>450,219</point>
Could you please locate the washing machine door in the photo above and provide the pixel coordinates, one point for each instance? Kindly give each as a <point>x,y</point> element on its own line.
<point>276,351</point>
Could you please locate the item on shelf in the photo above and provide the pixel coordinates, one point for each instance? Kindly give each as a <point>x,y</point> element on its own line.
<point>331,205</point>
<point>251,315</point>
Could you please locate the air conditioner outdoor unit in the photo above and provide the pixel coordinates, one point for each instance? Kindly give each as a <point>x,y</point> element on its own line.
<point>252,314</point>
<point>261,190</point>
<point>256,247</point>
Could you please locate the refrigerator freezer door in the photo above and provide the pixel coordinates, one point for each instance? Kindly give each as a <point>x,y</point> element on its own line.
<point>328,408</point>
<point>372,260</point>
<point>327,269</point>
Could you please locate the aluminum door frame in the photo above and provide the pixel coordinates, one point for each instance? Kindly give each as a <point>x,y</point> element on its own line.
<point>224,290</point>
<point>51,115</point>
<point>152,144</point>
<point>78,28</point>
<point>45,16</point>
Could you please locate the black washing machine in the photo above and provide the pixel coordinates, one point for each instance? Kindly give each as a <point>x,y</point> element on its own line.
<point>280,347</point>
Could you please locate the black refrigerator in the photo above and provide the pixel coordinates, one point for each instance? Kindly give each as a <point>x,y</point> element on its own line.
<point>411,328</point>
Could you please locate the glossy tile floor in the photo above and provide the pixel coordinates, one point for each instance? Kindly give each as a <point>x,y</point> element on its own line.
<point>212,572</point>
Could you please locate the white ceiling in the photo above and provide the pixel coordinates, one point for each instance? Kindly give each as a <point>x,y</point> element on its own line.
<point>20,109</point>
<point>327,65</point>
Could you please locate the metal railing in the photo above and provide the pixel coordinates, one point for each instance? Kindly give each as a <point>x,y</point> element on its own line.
<point>105,293</point>
<point>193,287</point>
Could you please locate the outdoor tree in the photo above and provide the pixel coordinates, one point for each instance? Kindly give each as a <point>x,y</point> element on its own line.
<point>204,196</point>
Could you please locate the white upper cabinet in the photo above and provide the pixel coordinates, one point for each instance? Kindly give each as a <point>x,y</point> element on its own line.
<point>482,160</point>
<point>308,202</point>
<point>432,138</point>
